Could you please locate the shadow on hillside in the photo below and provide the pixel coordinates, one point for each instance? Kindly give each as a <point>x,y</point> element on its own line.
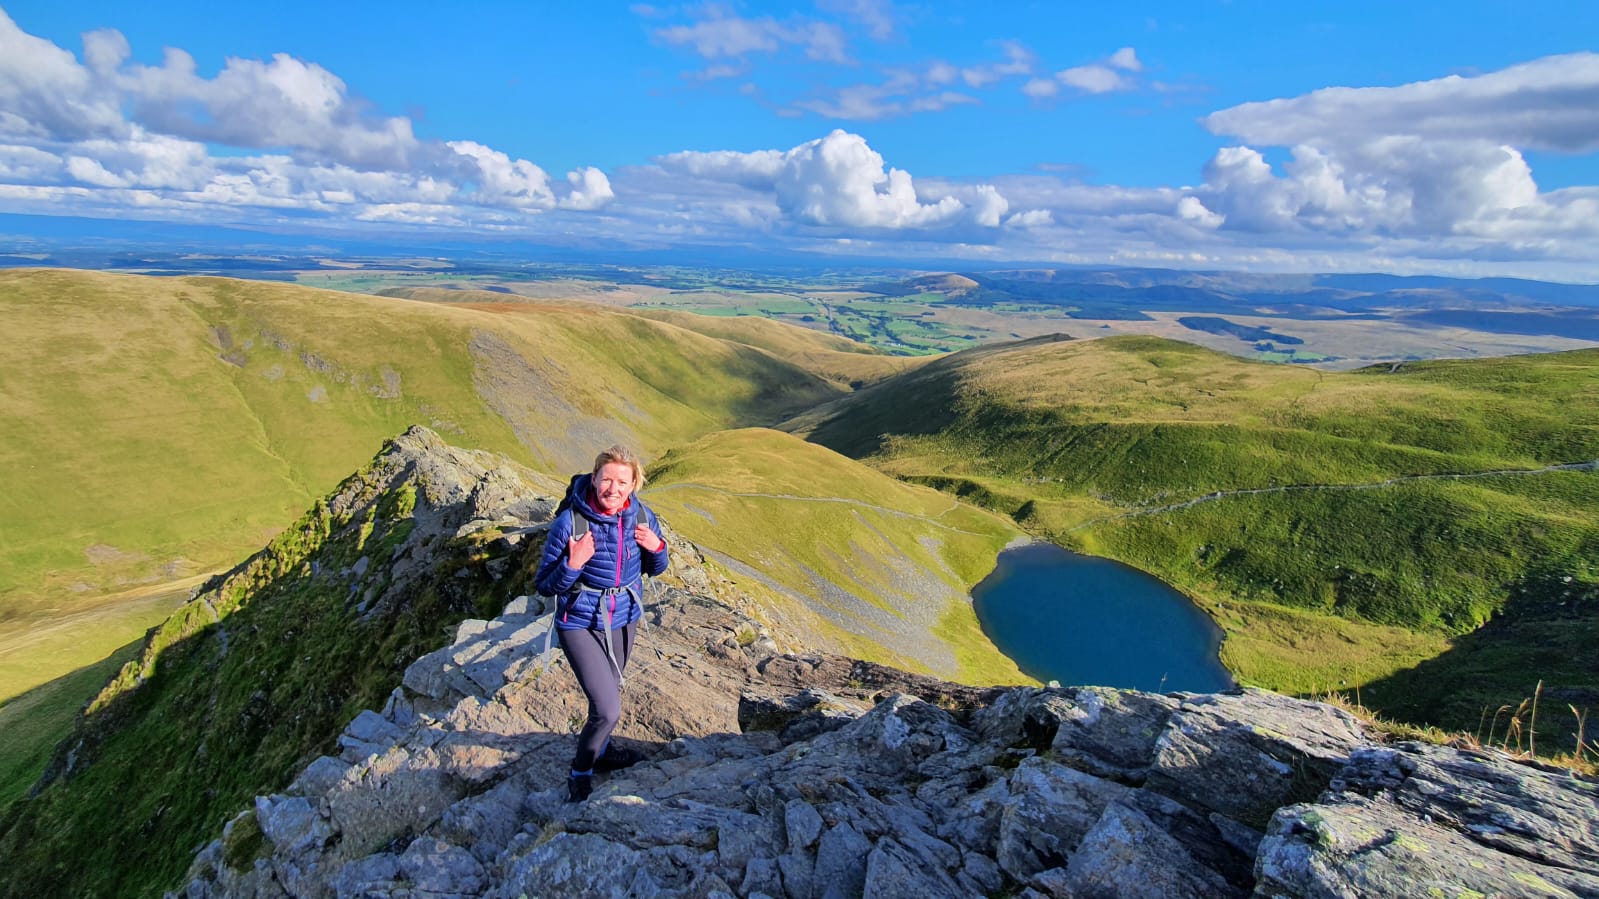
<point>917,404</point>
<point>1547,634</point>
<point>35,722</point>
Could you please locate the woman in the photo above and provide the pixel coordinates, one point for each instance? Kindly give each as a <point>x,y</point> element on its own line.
<point>602,541</point>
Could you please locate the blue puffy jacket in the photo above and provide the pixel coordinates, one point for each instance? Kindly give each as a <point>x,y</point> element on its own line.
<point>583,596</point>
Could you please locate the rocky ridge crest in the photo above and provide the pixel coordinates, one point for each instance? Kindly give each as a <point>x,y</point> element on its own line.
<point>798,775</point>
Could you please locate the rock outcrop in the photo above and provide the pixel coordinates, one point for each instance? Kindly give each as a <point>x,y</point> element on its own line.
<point>805,775</point>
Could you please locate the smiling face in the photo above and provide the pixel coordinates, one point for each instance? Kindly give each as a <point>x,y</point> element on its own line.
<point>613,484</point>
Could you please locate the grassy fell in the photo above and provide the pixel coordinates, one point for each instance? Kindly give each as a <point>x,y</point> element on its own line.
<point>167,426</point>
<point>1339,505</point>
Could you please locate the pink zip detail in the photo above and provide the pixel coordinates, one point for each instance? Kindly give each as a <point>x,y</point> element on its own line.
<point>620,549</point>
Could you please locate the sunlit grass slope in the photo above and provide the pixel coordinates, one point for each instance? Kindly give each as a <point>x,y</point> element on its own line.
<point>846,558</point>
<point>156,428</point>
<point>1342,579</point>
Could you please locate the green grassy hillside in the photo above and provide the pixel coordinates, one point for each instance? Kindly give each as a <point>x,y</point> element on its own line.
<point>165,427</point>
<point>1270,492</point>
<point>853,560</point>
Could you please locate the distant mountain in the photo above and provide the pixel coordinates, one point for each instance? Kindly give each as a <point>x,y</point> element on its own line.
<point>170,247</point>
<point>1120,293</point>
<point>1533,291</point>
<point>951,284</point>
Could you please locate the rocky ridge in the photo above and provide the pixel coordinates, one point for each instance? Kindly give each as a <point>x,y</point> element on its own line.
<point>798,775</point>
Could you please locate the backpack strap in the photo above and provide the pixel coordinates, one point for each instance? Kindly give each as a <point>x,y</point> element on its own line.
<point>580,525</point>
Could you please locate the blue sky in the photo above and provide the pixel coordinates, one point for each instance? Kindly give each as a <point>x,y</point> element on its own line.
<point>1456,138</point>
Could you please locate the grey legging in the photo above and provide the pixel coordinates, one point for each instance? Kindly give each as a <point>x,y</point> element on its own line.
<point>585,652</point>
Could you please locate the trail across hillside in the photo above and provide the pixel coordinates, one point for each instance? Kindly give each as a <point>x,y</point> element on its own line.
<point>898,513</point>
<point>1390,482</point>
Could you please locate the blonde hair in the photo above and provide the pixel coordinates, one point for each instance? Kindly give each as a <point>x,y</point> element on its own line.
<point>621,455</point>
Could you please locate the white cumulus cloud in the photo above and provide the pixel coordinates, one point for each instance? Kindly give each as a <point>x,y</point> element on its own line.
<point>1032,218</point>
<point>1190,209</point>
<point>45,93</point>
<point>1439,160</point>
<point>590,189</point>
<point>503,180</point>
<point>840,181</point>
<point>107,133</point>
<point>282,103</point>
<point>1546,104</point>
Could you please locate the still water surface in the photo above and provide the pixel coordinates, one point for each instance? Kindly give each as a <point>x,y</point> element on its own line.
<point>1084,620</point>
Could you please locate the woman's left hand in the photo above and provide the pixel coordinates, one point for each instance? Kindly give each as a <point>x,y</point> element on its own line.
<point>648,538</point>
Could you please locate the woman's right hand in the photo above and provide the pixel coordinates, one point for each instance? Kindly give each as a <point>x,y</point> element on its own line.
<point>579,551</point>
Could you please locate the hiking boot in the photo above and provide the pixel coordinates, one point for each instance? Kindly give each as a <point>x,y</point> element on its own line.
<point>578,787</point>
<point>617,758</point>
